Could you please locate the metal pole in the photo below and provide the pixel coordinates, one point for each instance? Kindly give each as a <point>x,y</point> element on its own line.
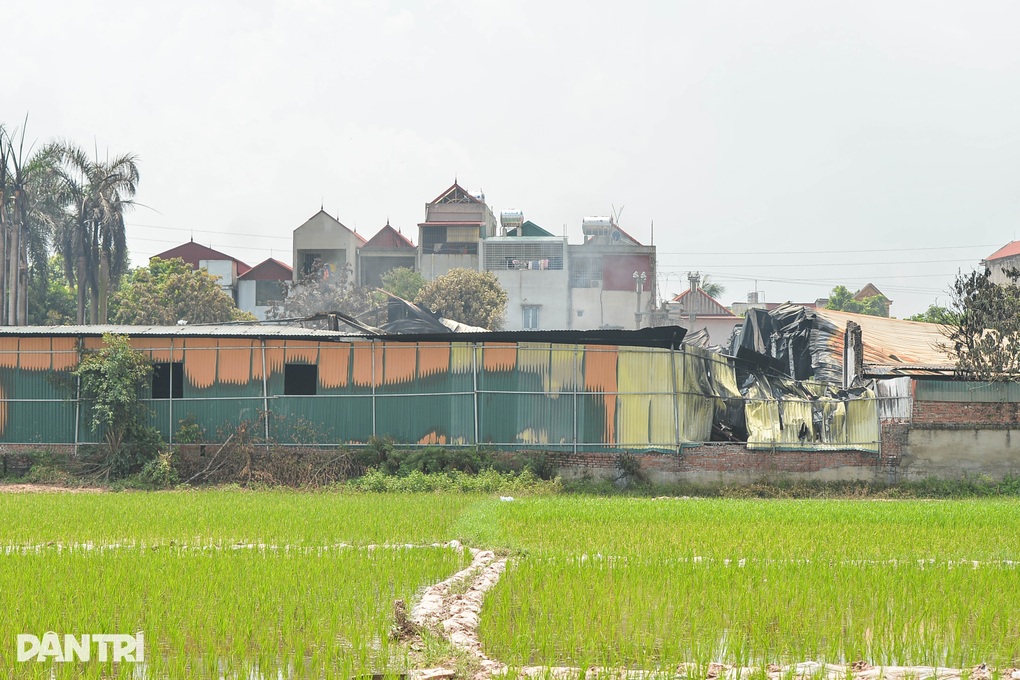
<point>170,366</point>
<point>474,380</point>
<point>577,353</point>
<point>265,393</point>
<point>373,389</point>
<point>77,401</point>
<point>676,398</point>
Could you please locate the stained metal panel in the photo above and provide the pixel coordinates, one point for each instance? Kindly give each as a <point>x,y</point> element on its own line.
<point>966,391</point>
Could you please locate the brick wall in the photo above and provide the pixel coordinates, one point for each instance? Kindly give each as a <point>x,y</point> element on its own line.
<point>970,414</point>
<point>728,463</point>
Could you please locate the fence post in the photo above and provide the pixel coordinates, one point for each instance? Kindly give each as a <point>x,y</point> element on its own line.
<point>676,398</point>
<point>265,394</point>
<point>77,399</point>
<point>474,378</point>
<point>170,401</point>
<point>577,354</point>
<point>373,387</point>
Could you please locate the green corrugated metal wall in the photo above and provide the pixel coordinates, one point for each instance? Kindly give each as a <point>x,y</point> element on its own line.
<point>966,391</point>
<point>508,395</point>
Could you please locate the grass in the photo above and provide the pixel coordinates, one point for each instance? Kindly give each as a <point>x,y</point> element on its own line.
<point>222,583</point>
<point>217,516</point>
<point>216,612</point>
<point>226,582</point>
<point>656,583</point>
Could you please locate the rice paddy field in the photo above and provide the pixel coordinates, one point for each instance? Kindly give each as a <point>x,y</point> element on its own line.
<point>274,584</point>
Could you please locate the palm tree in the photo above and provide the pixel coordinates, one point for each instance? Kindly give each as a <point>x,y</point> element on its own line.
<point>713,289</point>
<point>92,240</point>
<point>29,210</point>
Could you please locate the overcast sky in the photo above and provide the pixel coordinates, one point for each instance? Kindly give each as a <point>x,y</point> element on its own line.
<point>799,144</point>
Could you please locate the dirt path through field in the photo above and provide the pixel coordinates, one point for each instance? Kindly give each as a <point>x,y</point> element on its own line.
<point>453,609</point>
<point>44,488</point>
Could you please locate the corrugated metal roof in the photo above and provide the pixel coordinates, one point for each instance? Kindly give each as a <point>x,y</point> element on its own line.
<point>892,342</point>
<point>198,330</point>
<point>662,337</point>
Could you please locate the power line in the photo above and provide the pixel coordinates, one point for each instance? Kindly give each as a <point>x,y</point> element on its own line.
<point>829,252</point>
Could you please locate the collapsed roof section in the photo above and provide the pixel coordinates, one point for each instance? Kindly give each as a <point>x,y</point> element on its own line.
<point>805,344</point>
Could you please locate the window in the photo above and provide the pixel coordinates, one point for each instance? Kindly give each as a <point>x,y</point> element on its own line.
<point>310,262</point>
<point>268,292</point>
<point>168,380</point>
<point>586,272</point>
<point>300,379</point>
<point>530,322</point>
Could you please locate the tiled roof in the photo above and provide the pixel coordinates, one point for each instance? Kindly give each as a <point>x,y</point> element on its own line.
<point>1009,250</point>
<point>193,253</point>
<point>702,304</point>
<point>268,270</point>
<point>388,237</point>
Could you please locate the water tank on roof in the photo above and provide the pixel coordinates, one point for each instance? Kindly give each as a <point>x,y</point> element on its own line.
<point>511,219</point>
<point>598,226</point>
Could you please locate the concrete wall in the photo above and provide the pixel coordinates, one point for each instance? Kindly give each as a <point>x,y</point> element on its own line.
<point>432,266</point>
<point>943,440</point>
<point>545,288</point>
<point>948,439</point>
<point>246,299</point>
<point>998,267</point>
<point>600,307</point>
<point>726,463</point>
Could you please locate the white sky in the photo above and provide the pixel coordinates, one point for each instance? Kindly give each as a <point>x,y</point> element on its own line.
<point>802,144</point>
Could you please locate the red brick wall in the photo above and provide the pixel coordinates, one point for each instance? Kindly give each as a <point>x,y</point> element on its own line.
<point>965,413</point>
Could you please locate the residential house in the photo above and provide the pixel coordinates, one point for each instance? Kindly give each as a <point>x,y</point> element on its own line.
<point>322,241</point>
<point>612,278</point>
<point>871,290</point>
<point>455,222</point>
<point>696,310</point>
<point>531,265</point>
<point>263,285</point>
<point>1006,257</point>
<point>226,268</point>
<point>387,250</point>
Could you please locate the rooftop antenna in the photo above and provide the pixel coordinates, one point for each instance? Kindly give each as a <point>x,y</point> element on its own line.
<point>653,233</point>
<point>617,213</point>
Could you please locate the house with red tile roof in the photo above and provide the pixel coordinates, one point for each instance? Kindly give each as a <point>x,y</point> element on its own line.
<point>696,310</point>
<point>385,251</point>
<point>263,285</point>
<point>225,267</point>
<point>455,221</point>
<point>1006,257</point>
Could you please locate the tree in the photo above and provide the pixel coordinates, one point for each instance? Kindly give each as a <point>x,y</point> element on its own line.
<point>985,338</point>
<point>465,295</point>
<point>92,239</point>
<point>842,300</point>
<point>170,290</point>
<point>50,301</point>
<point>30,207</point>
<point>936,314</point>
<point>322,291</point>
<point>111,381</point>
<point>403,282</point>
<point>712,288</point>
